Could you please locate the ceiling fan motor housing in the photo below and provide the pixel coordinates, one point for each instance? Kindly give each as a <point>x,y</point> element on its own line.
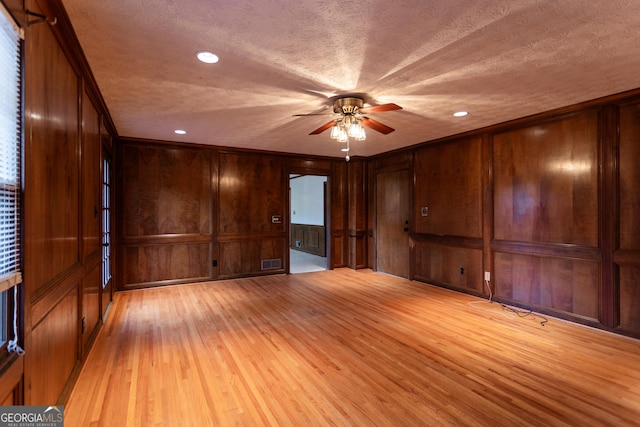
<point>347,105</point>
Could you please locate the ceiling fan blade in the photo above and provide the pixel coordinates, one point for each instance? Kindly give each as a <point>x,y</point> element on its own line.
<point>323,128</point>
<point>313,114</point>
<point>380,108</point>
<point>375,125</point>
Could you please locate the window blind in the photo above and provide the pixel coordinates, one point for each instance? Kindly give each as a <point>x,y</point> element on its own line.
<point>10,143</point>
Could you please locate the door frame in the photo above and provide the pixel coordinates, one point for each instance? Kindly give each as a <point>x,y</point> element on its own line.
<point>327,212</point>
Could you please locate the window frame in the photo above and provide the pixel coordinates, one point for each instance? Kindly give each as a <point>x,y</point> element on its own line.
<point>11,288</point>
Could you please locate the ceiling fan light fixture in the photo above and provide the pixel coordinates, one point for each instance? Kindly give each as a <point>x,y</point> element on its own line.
<point>354,129</point>
<point>342,135</point>
<point>351,117</point>
<point>335,131</point>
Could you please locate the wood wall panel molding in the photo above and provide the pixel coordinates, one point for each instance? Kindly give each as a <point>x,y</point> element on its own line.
<point>630,298</point>
<point>357,213</point>
<point>623,257</point>
<point>11,385</point>
<point>629,177</point>
<point>339,213</point>
<point>53,353</point>
<point>90,306</point>
<point>235,237</point>
<point>310,166</point>
<point>338,251</point>
<point>162,239</point>
<point>546,182</point>
<point>569,286</point>
<point>56,290</point>
<point>448,181</point>
<point>559,250</point>
<point>251,191</point>
<point>91,150</point>
<point>455,267</point>
<point>52,163</point>
<point>245,258</point>
<point>459,241</point>
<point>609,213</point>
<point>159,263</point>
<point>166,190</point>
<point>66,38</point>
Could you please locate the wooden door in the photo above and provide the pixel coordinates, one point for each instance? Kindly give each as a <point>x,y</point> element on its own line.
<point>392,222</point>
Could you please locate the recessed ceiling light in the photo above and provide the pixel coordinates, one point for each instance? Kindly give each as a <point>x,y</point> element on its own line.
<point>207,57</point>
<point>180,132</point>
<point>460,113</point>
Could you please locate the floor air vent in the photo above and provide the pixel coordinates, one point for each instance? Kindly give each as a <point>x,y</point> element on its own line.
<point>271,264</point>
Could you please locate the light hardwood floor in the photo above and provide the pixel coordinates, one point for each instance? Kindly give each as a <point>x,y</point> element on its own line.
<point>346,348</point>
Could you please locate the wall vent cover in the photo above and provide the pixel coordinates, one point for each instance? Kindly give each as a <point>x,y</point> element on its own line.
<point>271,264</point>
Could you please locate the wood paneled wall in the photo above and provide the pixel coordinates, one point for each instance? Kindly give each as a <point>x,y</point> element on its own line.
<point>547,205</point>
<point>253,192</point>
<point>64,123</point>
<point>357,190</point>
<point>546,214</point>
<point>448,238</point>
<point>192,213</point>
<point>53,217</point>
<point>627,245</point>
<point>308,238</point>
<point>165,226</point>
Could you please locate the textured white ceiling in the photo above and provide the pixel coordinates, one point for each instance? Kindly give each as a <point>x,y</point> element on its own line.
<point>500,60</point>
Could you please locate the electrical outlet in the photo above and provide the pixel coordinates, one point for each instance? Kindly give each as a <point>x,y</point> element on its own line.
<point>487,276</point>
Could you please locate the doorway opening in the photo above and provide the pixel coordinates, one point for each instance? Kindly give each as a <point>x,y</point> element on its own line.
<point>308,225</point>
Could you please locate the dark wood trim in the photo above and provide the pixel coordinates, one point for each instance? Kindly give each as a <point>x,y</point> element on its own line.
<point>11,372</point>
<point>234,237</point>
<point>66,36</point>
<point>233,150</point>
<point>164,239</point>
<point>214,202</point>
<point>51,293</point>
<point>627,257</point>
<point>609,140</point>
<point>463,242</point>
<point>487,207</point>
<point>550,249</point>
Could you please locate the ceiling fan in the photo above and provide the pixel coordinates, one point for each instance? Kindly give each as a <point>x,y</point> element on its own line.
<point>351,120</point>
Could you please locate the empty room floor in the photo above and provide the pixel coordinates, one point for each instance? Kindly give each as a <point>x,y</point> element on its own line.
<point>346,348</point>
